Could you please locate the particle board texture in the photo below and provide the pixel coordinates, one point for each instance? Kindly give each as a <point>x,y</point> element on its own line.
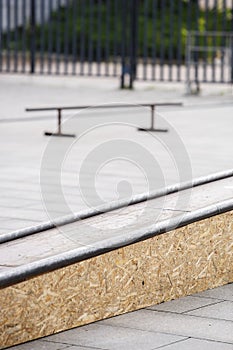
<point>181,262</point>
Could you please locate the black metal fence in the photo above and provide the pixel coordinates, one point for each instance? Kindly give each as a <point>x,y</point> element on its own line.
<point>144,39</point>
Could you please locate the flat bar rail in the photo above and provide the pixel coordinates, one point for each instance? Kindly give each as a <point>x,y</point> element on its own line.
<point>59,109</point>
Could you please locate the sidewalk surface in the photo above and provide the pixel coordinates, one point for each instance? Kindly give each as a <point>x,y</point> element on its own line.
<point>203,127</point>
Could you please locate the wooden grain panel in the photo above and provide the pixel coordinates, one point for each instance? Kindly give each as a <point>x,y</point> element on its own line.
<point>190,259</point>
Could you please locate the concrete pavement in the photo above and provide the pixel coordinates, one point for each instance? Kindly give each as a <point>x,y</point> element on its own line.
<point>203,321</point>
<point>203,126</point>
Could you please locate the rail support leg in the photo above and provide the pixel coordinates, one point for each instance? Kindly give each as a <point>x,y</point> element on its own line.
<point>59,132</point>
<point>152,128</point>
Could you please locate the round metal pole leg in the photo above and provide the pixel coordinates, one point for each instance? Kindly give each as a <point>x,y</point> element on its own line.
<point>152,116</point>
<point>59,121</point>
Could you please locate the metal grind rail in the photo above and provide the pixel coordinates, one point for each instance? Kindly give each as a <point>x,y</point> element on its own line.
<point>59,109</point>
<point>64,220</point>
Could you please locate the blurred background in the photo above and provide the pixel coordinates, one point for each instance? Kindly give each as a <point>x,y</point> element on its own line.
<point>171,40</point>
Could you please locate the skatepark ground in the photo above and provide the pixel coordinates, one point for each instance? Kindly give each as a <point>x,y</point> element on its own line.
<point>199,142</point>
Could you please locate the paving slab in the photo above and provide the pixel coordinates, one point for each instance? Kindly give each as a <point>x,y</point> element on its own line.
<point>117,338</point>
<point>6,202</point>
<point>23,214</point>
<point>39,345</point>
<point>45,345</point>
<point>184,304</point>
<point>15,224</point>
<point>83,348</point>
<point>222,310</point>
<point>197,344</point>
<point>222,293</point>
<point>172,323</point>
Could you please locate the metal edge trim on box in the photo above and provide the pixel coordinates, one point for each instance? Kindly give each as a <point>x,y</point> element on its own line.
<point>23,273</point>
<point>64,220</point>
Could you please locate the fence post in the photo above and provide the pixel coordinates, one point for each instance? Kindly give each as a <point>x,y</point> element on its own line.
<point>231,45</point>
<point>133,43</point>
<point>32,35</point>
<point>231,49</point>
<point>123,41</point>
<point>129,33</point>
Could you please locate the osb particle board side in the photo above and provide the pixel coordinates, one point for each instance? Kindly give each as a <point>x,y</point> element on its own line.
<point>190,259</point>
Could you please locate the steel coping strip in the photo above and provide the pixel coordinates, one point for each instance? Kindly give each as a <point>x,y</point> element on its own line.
<point>22,273</point>
<point>64,220</point>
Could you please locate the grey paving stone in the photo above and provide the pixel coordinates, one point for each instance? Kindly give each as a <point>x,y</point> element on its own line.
<point>14,224</point>
<point>13,193</point>
<point>223,293</point>
<point>114,338</point>
<point>14,203</point>
<point>83,348</point>
<point>39,345</point>
<point>179,324</point>
<point>23,214</point>
<point>4,230</point>
<point>183,304</point>
<point>21,153</point>
<point>197,344</point>
<point>222,310</point>
<point>25,184</point>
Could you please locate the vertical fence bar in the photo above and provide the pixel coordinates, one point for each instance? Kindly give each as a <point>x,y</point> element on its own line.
<point>33,36</point>
<point>162,38</point>
<point>205,41</point>
<point>42,35</point>
<point>1,30</point>
<point>123,41</point>
<point>231,42</point>
<point>82,38</point>
<point>188,50</point>
<point>154,36</point>
<point>74,36</point>
<point>133,41</point>
<point>188,19</point>
<point>23,36</point>
<point>170,54</point>
<point>188,63</point>
<point>223,41</point>
<point>145,39</point>
<point>66,38</point>
<point>16,39</point>
<point>58,36</point>
<point>115,37</point>
<point>179,42</point>
<point>214,41</point>
<point>197,43</point>
<point>107,30</point>
<point>90,42</point>
<point>99,36</point>
<point>50,38</point>
<point>8,36</point>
